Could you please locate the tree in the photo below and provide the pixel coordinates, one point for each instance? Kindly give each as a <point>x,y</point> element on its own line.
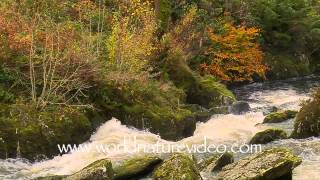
<point>132,40</point>
<point>235,54</point>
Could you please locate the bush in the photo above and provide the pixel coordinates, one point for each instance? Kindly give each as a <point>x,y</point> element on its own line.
<point>283,66</point>
<point>307,122</point>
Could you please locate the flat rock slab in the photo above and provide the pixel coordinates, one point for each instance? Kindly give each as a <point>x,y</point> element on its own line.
<point>267,165</point>
<point>135,167</point>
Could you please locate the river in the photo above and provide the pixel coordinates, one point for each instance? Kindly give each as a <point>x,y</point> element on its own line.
<point>220,129</point>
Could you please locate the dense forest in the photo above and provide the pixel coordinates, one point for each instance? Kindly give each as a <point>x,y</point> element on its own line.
<point>67,66</point>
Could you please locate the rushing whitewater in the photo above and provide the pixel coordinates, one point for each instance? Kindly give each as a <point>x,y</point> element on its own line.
<point>220,129</point>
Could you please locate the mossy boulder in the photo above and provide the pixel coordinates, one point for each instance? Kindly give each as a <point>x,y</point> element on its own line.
<point>209,93</point>
<point>216,162</point>
<point>268,135</point>
<point>307,122</point>
<point>275,163</point>
<point>39,132</point>
<point>153,106</point>
<point>136,167</point>
<point>280,116</point>
<point>99,170</point>
<point>205,91</point>
<point>239,107</point>
<point>177,167</point>
<point>203,115</point>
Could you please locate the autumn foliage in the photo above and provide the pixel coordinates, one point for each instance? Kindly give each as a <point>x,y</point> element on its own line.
<point>235,54</point>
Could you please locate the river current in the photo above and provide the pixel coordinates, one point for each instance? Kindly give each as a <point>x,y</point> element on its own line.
<point>220,129</point>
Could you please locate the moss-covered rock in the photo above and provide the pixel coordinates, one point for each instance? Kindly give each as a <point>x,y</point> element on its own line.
<point>203,115</point>
<point>204,91</point>
<point>216,162</point>
<point>177,167</point>
<point>153,106</point>
<point>99,170</point>
<point>135,168</point>
<point>269,164</point>
<point>39,132</point>
<point>307,122</point>
<point>210,93</point>
<point>280,116</point>
<point>267,136</point>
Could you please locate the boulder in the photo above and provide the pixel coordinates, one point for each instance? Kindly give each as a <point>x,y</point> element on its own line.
<point>204,91</point>
<point>267,136</point>
<point>268,110</point>
<point>203,115</point>
<point>177,167</point>
<point>281,116</point>
<point>216,162</point>
<point>307,122</point>
<point>39,132</point>
<point>209,93</point>
<point>153,106</point>
<point>134,168</point>
<point>276,163</point>
<point>99,170</point>
<point>240,107</point>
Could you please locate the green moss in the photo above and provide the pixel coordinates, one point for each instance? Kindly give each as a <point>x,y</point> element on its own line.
<point>307,123</point>
<point>39,132</point>
<point>135,168</point>
<point>178,167</point>
<point>268,135</point>
<point>277,117</point>
<point>101,169</point>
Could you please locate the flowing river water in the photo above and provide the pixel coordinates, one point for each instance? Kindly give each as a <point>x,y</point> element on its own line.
<point>220,129</point>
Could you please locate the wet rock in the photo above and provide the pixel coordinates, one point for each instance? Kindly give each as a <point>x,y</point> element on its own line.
<point>135,168</point>
<point>209,93</point>
<point>268,135</point>
<point>216,162</point>
<point>239,107</point>
<point>99,170</point>
<point>307,122</point>
<point>177,167</point>
<point>270,164</point>
<point>203,114</point>
<point>269,109</point>
<point>281,116</point>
